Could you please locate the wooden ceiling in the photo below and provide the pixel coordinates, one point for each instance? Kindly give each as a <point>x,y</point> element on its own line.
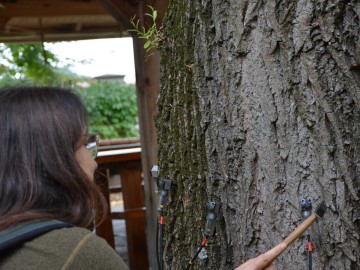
<point>64,20</point>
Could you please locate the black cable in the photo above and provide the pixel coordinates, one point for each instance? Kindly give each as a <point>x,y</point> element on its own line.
<point>197,253</point>
<point>161,223</point>
<point>306,209</point>
<point>157,244</point>
<point>165,186</point>
<point>310,250</point>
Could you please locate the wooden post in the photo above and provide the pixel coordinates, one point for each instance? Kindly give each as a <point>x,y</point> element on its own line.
<point>105,229</point>
<point>147,88</point>
<point>130,175</point>
<point>146,93</point>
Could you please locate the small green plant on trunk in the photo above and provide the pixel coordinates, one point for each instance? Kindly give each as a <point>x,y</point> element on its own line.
<point>152,35</point>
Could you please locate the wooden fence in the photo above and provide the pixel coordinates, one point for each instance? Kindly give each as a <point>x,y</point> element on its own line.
<point>123,158</point>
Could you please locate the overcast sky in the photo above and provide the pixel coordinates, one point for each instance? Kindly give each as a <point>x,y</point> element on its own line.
<point>98,57</point>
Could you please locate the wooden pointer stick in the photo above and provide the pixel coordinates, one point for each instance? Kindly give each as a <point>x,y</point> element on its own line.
<point>319,213</point>
<point>300,230</point>
<point>266,258</point>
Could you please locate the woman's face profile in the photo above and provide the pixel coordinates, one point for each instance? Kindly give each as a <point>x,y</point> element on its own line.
<point>86,161</point>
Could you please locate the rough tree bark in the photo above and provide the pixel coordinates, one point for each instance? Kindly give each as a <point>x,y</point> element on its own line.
<point>258,109</point>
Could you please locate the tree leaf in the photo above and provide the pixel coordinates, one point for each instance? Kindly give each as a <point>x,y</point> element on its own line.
<point>147,44</point>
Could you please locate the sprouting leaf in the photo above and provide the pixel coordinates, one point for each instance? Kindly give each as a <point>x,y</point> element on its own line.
<point>151,34</point>
<point>147,44</point>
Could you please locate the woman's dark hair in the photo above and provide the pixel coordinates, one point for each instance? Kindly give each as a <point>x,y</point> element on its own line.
<point>40,179</point>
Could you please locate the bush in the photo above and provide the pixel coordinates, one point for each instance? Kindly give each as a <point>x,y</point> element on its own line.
<point>112,108</point>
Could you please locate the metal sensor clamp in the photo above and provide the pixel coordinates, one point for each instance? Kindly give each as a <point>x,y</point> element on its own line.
<point>155,174</point>
<point>164,186</point>
<point>306,208</point>
<point>155,171</point>
<point>212,211</point>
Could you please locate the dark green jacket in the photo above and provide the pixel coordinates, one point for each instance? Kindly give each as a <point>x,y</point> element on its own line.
<point>67,248</point>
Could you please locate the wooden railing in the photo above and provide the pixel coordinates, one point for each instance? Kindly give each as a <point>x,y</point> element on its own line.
<point>124,160</point>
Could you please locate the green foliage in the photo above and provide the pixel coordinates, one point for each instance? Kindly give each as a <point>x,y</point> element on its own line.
<point>152,35</point>
<point>30,61</point>
<point>8,81</point>
<point>112,108</point>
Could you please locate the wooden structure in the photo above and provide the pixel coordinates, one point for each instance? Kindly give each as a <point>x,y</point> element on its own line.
<point>61,20</point>
<point>125,162</point>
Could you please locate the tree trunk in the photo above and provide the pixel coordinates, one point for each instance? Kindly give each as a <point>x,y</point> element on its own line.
<point>258,109</point>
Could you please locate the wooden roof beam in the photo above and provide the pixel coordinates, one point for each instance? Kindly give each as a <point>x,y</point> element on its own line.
<point>53,8</point>
<point>121,10</point>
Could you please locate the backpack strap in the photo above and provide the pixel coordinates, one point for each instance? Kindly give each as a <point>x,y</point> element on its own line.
<point>28,232</point>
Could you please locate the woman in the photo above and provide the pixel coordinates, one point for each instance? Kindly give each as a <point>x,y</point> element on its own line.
<point>46,173</point>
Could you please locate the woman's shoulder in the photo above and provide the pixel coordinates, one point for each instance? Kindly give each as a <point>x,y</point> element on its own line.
<point>66,248</point>
<point>72,234</point>
<point>75,239</point>
<point>87,248</point>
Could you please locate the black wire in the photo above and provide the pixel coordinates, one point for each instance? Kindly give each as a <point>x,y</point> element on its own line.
<point>309,252</point>
<point>161,246</point>
<point>193,259</point>
<point>197,253</point>
<point>157,244</point>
